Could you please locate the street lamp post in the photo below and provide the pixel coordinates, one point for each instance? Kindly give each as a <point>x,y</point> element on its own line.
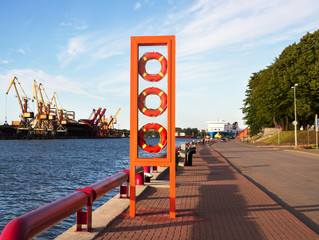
<point>295,122</point>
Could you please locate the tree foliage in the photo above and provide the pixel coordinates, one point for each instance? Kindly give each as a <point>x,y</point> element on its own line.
<point>188,131</point>
<point>269,97</point>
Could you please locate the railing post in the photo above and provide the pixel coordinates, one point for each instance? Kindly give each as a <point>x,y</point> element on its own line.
<point>85,217</point>
<point>139,179</point>
<point>124,189</point>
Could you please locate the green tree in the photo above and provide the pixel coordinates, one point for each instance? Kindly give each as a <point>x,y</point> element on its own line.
<point>269,97</point>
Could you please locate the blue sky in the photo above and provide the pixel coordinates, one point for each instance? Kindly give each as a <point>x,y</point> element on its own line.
<point>81,50</point>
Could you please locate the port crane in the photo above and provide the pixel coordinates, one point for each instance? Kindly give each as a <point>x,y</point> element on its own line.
<point>91,120</point>
<point>99,118</point>
<point>25,122</point>
<point>112,119</point>
<point>44,120</point>
<point>105,128</point>
<point>59,111</point>
<point>94,122</point>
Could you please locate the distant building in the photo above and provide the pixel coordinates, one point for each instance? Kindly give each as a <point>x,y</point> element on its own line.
<point>243,133</point>
<point>222,127</point>
<point>180,134</point>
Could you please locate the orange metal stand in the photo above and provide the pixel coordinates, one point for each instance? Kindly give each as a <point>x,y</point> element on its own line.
<point>169,161</point>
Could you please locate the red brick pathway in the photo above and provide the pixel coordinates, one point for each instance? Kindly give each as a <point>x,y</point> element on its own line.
<point>213,201</point>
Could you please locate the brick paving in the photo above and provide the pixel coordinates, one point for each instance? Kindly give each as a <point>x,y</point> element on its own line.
<point>213,201</point>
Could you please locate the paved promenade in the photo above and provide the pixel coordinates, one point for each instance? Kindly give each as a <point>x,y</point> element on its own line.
<point>290,177</point>
<point>213,201</point>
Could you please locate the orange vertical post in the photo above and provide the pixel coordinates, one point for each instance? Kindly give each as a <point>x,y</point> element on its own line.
<point>133,123</point>
<point>171,126</point>
<point>135,160</point>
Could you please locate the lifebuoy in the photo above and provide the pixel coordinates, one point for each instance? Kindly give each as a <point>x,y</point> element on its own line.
<point>162,143</point>
<point>152,112</point>
<point>142,62</point>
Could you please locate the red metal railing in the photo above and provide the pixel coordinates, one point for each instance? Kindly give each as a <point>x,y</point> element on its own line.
<point>39,220</point>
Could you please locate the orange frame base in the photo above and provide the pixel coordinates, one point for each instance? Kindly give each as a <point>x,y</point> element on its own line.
<point>169,161</point>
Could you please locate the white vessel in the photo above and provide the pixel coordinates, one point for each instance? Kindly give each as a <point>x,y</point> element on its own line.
<point>221,127</point>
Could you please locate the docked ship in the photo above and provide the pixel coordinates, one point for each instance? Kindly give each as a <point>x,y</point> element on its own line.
<point>221,128</point>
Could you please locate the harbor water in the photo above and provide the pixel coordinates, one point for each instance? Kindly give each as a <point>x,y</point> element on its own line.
<point>36,172</point>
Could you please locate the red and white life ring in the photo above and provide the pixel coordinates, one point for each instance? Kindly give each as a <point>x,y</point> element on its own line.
<point>152,112</point>
<point>162,143</point>
<point>142,62</point>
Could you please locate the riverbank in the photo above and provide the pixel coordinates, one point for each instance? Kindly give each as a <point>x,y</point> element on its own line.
<point>71,131</point>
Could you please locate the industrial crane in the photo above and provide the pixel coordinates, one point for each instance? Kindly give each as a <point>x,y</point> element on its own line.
<point>61,121</point>
<point>99,118</point>
<point>90,121</point>
<point>113,119</point>
<point>105,128</point>
<point>95,120</point>
<point>26,116</point>
<point>43,122</point>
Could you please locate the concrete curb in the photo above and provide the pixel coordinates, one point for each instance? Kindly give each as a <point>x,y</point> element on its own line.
<point>105,214</point>
<point>290,148</point>
<point>302,152</point>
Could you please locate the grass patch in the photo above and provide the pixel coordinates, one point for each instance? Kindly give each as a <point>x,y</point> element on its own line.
<point>288,137</point>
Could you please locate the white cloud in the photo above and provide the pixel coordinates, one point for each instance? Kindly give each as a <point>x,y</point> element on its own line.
<point>198,71</point>
<point>210,25</point>
<point>116,77</point>
<point>66,24</point>
<point>74,25</point>
<point>81,27</point>
<point>20,50</point>
<point>4,61</point>
<point>88,48</point>
<point>76,46</point>
<point>51,83</point>
<point>137,5</point>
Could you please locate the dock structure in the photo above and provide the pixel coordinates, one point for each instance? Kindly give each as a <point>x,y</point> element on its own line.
<point>213,201</point>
